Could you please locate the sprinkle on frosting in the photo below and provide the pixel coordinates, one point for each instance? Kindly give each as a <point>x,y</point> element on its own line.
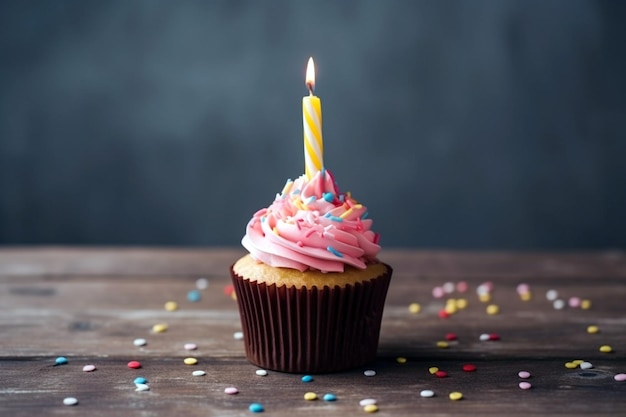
<point>311,225</point>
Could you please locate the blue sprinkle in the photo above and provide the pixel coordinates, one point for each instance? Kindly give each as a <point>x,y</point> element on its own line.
<point>194,296</point>
<point>256,408</point>
<point>311,200</point>
<point>307,378</point>
<point>263,219</point>
<point>334,251</point>
<point>335,218</point>
<point>329,197</point>
<point>330,397</point>
<point>296,191</point>
<point>61,360</point>
<point>140,380</point>
<point>342,197</point>
<point>364,216</point>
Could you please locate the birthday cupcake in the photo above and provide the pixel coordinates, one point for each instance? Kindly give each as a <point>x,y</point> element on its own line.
<point>311,291</point>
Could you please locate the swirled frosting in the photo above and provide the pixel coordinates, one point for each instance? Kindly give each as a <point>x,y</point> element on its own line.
<point>311,225</point>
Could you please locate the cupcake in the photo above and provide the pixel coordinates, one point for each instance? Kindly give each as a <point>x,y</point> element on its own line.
<point>311,291</point>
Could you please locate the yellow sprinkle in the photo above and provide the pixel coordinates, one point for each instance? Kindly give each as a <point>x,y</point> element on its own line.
<point>450,308</point>
<point>525,296</point>
<point>171,306</point>
<point>401,359</point>
<point>159,328</point>
<point>233,296</point>
<point>585,304</point>
<point>310,396</point>
<point>346,213</point>
<point>370,408</point>
<point>433,369</point>
<point>606,349</point>
<point>485,298</point>
<point>493,309</point>
<point>275,230</point>
<point>461,303</point>
<point>190,361</point>
<point>415,308</point>
<point>358,206</point>
<point>442,344</point>
<point>577,362</point>
<point>570,365</point>
<point>593,329</point>
<point>287,187</point>
<point>455,396</point>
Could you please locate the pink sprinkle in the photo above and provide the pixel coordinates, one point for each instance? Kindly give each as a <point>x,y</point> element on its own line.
<point>524,374</point>
<point>523,289</point>
<point>231,390</point>
<point>89,368</point>
<point>488,285</point>
<point>620,377</point>
<point>451,336</point>
<point>299,243</point>
<point>525,385</point>
<point>190,346</point>
<point>462,286</point>
<point>438,292</point>
<point>309,232</point>
<point>468,367</point>
<point>574,302</point>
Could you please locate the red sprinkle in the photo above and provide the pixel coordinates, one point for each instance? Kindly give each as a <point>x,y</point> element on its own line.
<point>229,289</point>
<point>134,365</point>
<point>451,336</point>
<point>444,314</point>
<point>468,367</point>
<point>441,374</point>
<point>494,336</point>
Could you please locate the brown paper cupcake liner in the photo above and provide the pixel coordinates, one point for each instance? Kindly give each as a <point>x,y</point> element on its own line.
<point>311,330</point>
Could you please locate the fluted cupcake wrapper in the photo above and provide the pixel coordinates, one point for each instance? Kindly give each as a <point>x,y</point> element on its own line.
<point>311,330</point>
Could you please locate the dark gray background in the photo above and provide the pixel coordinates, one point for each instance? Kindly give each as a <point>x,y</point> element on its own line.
<point>461,124</point>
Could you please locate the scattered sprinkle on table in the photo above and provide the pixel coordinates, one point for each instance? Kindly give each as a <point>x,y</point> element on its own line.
<point>585,304</point>
<point>190,361</point>
<point>231,391</point>
<point>307,378</point>
<point>461,303</point>
<point>89,368</point>
<point>494,337</point>
<point>492,309</point>
<point>443,314</point>
<point>142,387</point>
<point>261,372</point>
<point>190,346</point>
<point>238,335</point>
<point>455,396</point>
<point>401,359</point>
<point>586,365</point>
<point>310,396</point>
<point>70,401</point>
<point>433,369</point>
<point>441,374</point>
<point>462,286</point>
<point>198,373</point>
<point>194,296</point>
<point>571,365</point>
<point>415,308</point>
<point>140,342</point>
<point>484,298</point>
<point>438,292</point>
<point>330,397</point>
<point>202,283</point>
<point>451,336</point>
<point>256,408</point>
<point>442,344</point>
<point>159,328</point>
<point>370,408</point>
<point>574,302</point>
<point>552,295</point>
<point>448,287</point>
<point>367,401</point>
<point>427,393</point>
<point>171,306</point>
<point>525,385</point>
<point>620,377</point>
<point>140,380</point>
<point>369,372</point>
<point>606,349</point>
<point>468,367</point>
<point>61,360</point>
<point>593,329</point>
<point>523,374</point>
<point>558,304</point>
<point>134,364</point>
<point>484,337</point>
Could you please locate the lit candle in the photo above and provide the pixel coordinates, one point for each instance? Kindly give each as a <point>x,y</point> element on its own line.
<point>312,123</point>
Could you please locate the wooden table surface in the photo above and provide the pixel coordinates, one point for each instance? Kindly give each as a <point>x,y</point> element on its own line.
<point>90,304</point>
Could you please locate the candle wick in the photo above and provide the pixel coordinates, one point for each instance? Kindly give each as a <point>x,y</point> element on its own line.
<point>310,87</point>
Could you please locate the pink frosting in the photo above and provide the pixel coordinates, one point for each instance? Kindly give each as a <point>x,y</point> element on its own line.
<point>311,225</point>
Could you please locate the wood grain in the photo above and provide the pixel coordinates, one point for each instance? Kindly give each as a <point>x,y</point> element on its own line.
<point>88,304</point>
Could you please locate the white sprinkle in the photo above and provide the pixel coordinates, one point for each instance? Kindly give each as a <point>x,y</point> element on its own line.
<point>369,372</point>
<point>484,337</point>
<point>70,401</point>
<point>558,304</point>
<point>89,368</point>
<point>552,295</point>
<point>202,283</point>
<point>586,365</point>
<point>190,346</point>
<point>261,372</point>
<point>427,393</point>
<point>367,401</point>
<point>238,335</point>
<point>483,289</point>
<point>142,387</point>
<point>448,287</point>
<point>140,342</point>
<point>198,373</point>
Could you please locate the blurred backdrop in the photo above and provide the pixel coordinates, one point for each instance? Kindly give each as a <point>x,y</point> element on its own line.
<point>461,124</point>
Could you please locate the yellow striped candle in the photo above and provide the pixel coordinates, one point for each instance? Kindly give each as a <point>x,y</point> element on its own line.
<point>312,123</point>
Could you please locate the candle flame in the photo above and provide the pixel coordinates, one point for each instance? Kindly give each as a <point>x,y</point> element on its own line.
<point>310,75</point>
